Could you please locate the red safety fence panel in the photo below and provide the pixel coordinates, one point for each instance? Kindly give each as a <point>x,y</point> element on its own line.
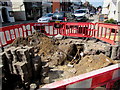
<point>10,33</point>
<point>90,80</point>
<point>47,28</point>
<point>108,32</point>
<point>105,32</point>
<point>75,29</point>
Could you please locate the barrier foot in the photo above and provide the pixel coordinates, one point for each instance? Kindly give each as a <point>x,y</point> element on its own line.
<point>109,85</point>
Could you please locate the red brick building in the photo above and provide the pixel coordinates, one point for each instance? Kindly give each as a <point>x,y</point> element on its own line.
<point>61,5</point>
<point>56,5</point>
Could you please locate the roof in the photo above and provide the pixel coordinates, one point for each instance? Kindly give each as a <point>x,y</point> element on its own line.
<point>106,3</point>
<point>114,2</point>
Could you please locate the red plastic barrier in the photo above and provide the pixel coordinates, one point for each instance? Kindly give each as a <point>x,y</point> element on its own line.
<point>104,32</point>
<point>46,28</point>
<point>10,33</point>
<point>105,76</point>
<point>77,29</point>
<point>108,32</point>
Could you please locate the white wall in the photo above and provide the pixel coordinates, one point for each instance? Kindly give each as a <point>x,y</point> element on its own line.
<point>105,9</point>
<point>112,11</point>
<point>11,19</point>
<point>112,8</point>
<point>118,11</point>
<point>9,8</point>
<point>17,5</point>
<point>19,9</point>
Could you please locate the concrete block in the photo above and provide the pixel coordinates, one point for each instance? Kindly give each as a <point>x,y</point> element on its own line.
<point>108,50</point>
<point>29,65</point>
<point>15,70</point>
<point>114,52</point>
<point>15,58</point>
<point>46,80</point>
<point>2,57</point>
<point>30,50</point>
<point>13,51</point>
<point>21,67</point>
<point>36,62</point>
<point>118,53</point>
<point>4,62</point>
<point>23,54</point>
<point>33,86</point>
<point>9,54</point>
<point>30,71</point>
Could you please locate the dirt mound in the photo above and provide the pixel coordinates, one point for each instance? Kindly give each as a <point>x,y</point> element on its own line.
<point>31,40</point>
<point>86,64</point>
<point>44,46</point>
<point>93,62</point>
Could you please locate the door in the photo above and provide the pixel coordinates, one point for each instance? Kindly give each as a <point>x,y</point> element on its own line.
<point>4,15</point>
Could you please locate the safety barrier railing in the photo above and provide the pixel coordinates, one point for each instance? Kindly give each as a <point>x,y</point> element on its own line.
<point>105,32</point>
<point>46,28</point>
<point>102,77</point>
<point>10,33</point>
<point>75,29</point>
<point>108,32</point>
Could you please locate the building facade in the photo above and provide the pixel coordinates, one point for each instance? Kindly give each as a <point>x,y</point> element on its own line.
<point>118,11</point>
<point>32,10</point>
<point>6,13</point>
<point>112,9</point>
<point>61,5</point>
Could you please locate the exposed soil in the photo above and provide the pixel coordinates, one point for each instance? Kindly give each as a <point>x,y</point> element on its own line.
<point>58,54</point>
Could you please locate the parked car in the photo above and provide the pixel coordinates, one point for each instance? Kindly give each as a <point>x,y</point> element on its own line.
<point>81,14</point>
<point>58,17</point>
<point>92,13</point>
<point>45,18</point>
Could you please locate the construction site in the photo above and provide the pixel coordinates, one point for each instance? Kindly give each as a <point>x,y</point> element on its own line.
<point>37,60</point>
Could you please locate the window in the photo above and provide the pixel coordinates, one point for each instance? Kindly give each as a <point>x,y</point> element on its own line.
<point>11,13</point>
<point>4,4</point>
<point>114,12</point>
